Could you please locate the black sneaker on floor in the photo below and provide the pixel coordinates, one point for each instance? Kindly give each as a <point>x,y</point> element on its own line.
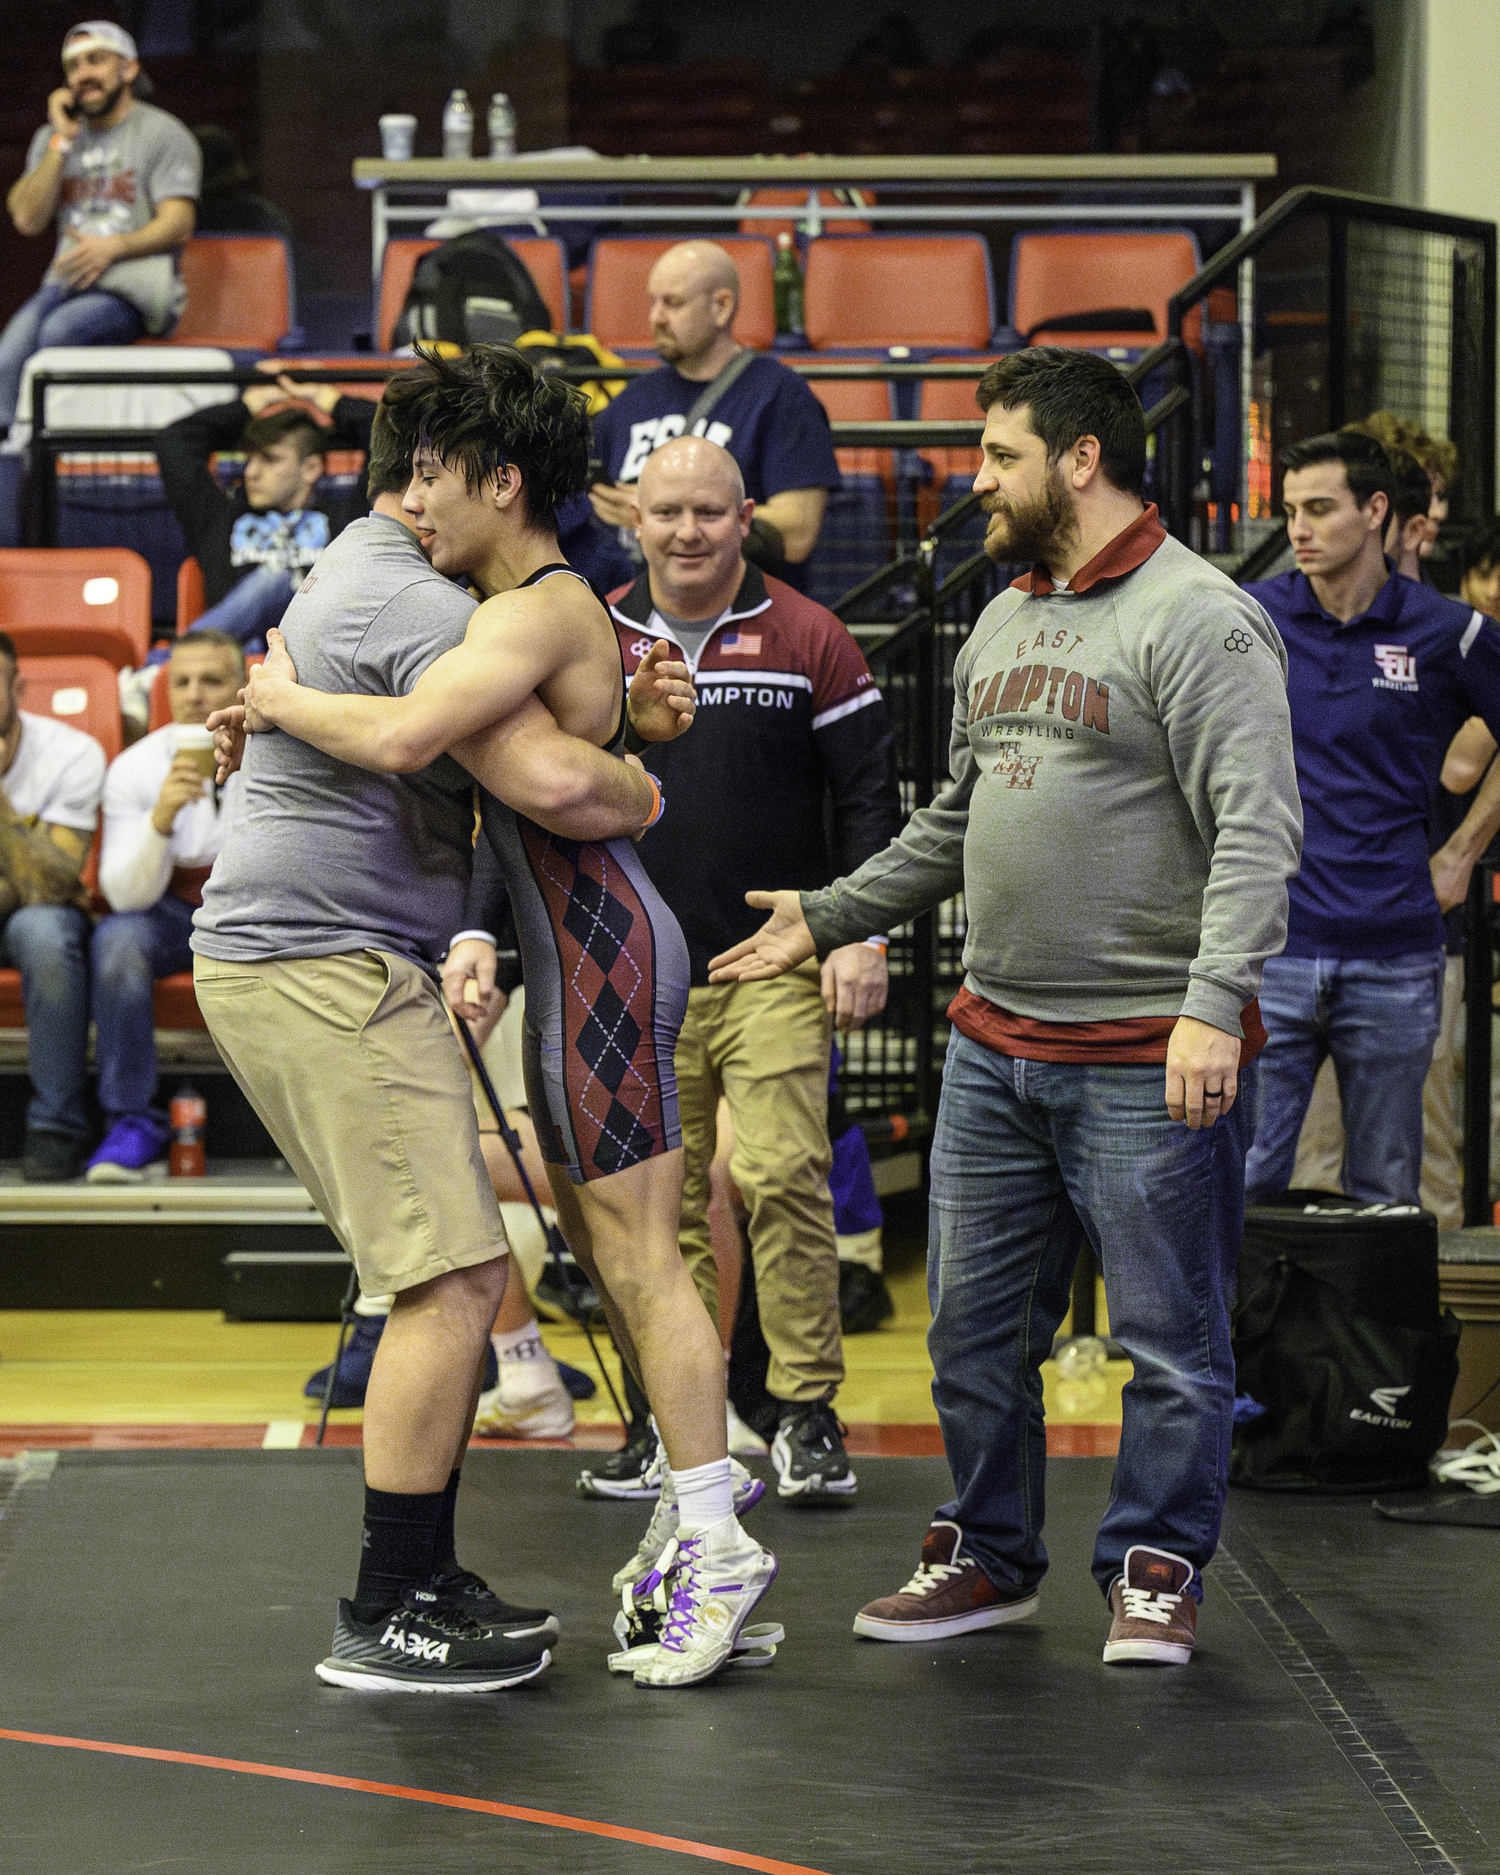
<point>864,1300</point>
<point>51,1158</point>
<point>566,1294</point>
<point>632,1472</point>
<point>430,1644</point>
<point>808,1453</point>
<point>485,1605</point>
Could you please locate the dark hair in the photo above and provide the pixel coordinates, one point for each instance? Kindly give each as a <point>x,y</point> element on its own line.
<point>262,433</point>
<point>1411,491</point>
<point>491,407</point>
<point>393,436</point>
<point>1068,394</point>
<point>209,635</point>
<point>1483,551</point>
<point>1436,455</point>
<point>8,649</point>
<point>1367,467</point>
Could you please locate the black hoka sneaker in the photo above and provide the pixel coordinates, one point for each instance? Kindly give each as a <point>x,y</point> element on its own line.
<point>430,1644</point>
<point>808,1453</point>
<point>485,1605</point>
<point>632,1472</point>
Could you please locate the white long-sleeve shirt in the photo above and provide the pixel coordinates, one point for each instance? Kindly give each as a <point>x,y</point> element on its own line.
<point>138,865</point>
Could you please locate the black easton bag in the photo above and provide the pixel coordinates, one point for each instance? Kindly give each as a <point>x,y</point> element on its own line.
<point>1339,1336</point>
<point>473,289</point>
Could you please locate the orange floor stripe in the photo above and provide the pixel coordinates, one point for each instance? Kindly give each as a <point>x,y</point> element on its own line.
<point>678,1845</point>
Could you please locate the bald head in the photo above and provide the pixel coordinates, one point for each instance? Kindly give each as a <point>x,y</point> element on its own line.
<point>692,519</point>
<point>695,291</point>
<point>695,460</point>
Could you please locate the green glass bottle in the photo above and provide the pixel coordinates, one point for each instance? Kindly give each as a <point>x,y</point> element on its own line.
<point>786,281</point>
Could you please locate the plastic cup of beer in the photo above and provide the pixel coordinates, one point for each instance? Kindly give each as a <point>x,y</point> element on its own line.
<point>197,744</point>
<point>398,133</point>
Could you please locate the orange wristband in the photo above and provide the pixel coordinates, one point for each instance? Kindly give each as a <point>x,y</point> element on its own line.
<point>657,796</point>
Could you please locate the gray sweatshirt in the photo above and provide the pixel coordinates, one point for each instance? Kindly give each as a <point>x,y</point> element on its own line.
<point>1123,813</point>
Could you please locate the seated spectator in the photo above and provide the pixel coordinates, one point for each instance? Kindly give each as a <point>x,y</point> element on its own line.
<point>226,202</point>
<point>710,385</point>
<point>256,543</point>
<point>51,777</point>
<point>163,823</point>
<point>120,178</point>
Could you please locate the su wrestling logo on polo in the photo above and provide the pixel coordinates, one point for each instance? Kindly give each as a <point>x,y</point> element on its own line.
<point>1398,668</point>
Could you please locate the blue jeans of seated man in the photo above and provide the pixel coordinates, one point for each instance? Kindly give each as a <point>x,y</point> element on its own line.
<point>1378,1018</point>
<point>130,950</point>
<point>55,315</point>
<point>49,945</point>
<point>1029,1157</point>
<point>251,607</point>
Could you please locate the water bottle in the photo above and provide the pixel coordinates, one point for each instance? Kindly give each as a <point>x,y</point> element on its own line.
<point>458,128</point>
<point>502,126</point>
<point>786,285</point>
<point>188,1114</point>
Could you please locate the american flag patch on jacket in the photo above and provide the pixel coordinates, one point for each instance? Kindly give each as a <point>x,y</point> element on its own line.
<point>747,644</point>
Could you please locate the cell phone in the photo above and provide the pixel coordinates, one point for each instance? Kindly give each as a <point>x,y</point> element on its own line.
<point>71,112</point>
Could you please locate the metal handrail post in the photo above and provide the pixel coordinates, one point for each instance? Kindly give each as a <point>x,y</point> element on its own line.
<point>1478,1015</point>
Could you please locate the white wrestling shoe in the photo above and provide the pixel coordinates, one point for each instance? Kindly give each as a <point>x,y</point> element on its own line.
<point>746,1488</point>
<point>530,1401</point>
<point>710,1581</point>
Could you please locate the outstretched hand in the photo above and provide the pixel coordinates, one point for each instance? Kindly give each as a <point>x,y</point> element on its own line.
<point>662,701</point>
<point>268,681</point>
<point>781,943</point>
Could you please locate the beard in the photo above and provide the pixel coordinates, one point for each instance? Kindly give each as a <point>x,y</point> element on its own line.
<point>103,104</point>
<point>1026,532</point>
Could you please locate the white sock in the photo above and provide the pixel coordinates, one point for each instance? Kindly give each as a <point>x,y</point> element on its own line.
<point>704,1496</point>
<point>519,1344</point>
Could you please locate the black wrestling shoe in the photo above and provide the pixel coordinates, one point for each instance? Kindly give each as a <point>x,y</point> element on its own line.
<point>808,1454</point>
<point>632,1472</point>
<point>864,1300</point>
<point>430,1644</point>
<point>484,1604</point>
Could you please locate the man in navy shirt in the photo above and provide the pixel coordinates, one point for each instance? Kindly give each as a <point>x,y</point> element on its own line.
<point>1382,672</point>
<point>763,414</point>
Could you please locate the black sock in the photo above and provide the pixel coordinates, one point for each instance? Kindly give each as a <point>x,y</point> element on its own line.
<point>636,1403</point>
<point>443,1555</point>
<point>398,1549</point>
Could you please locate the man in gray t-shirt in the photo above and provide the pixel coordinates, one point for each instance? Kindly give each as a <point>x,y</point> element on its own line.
<point>120,178</point>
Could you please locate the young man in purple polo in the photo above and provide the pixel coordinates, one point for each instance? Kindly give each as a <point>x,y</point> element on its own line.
<point>1383,671</point>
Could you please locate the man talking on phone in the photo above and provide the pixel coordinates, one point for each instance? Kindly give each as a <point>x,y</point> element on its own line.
<point>120,178</point>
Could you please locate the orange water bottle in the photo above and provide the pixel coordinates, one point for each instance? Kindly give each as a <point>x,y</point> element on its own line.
<point>188,1113</point>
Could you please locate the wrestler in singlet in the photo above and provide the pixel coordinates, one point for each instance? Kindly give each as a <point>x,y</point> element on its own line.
<point>606,971</point>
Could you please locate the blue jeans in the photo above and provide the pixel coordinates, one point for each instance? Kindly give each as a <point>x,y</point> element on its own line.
<point>1028,1158</point>
<point>54,315</point>
<point>49,945</point>
<point>130,950</point>
<point>251,607</point>
<point>1378,1018</point>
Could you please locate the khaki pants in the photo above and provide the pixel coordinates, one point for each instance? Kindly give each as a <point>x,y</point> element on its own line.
<point>352,1067</point>
<point>764,1047</point>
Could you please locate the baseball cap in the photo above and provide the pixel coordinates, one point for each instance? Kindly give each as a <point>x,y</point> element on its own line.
<point>99,33</point>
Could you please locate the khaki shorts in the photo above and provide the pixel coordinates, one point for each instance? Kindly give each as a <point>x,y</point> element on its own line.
<point>351,1065</point>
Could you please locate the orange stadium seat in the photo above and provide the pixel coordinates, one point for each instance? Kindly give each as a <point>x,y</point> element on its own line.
<point>541,255</point>
<point>858,528</point>
<point>618,310</point>
<point>950,470</point>
<point>81,691</point>
<point>1054,276</point>
<point>239,292</point>
<point>87,600</point>
<point>192,601</point>
<point>875,290</point>
<point>797,198</point>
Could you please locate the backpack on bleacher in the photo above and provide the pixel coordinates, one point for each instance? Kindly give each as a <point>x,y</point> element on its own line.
<point>472,290</point>
<point>577,351</point>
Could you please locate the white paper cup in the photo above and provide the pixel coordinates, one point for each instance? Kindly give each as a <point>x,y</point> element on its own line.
<point>197,743</point>
<point>398,133</point>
